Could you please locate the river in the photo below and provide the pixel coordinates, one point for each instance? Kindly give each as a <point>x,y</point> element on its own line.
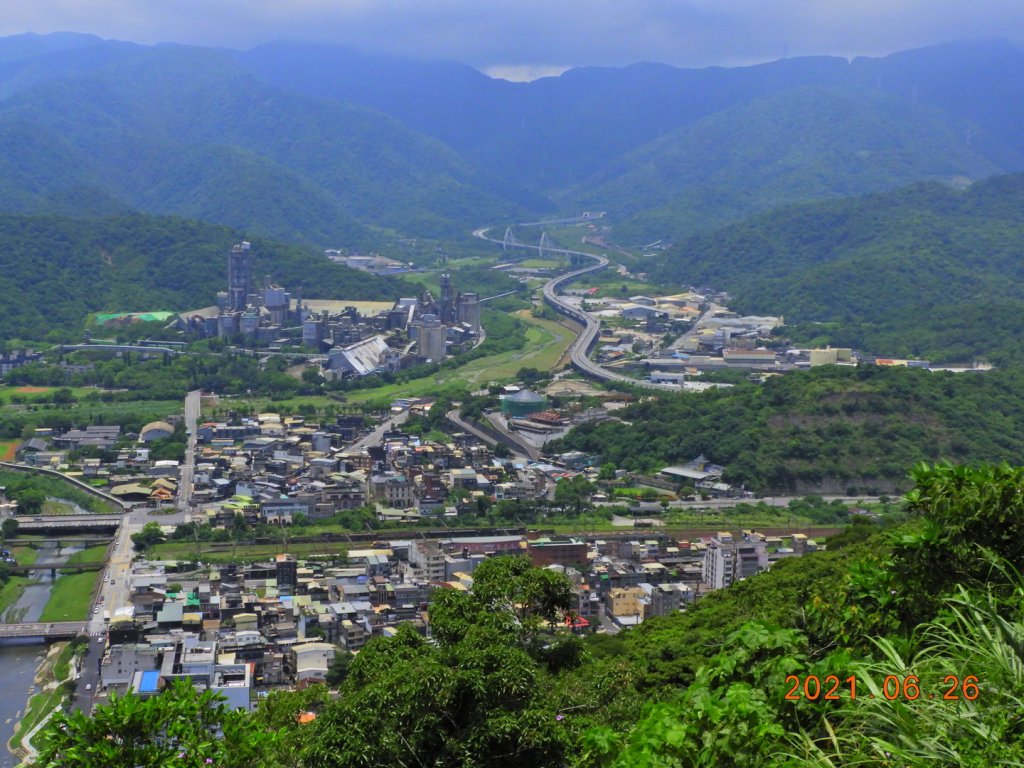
<point>19,661</point>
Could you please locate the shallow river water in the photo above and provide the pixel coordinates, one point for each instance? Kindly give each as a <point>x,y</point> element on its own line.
<point>19,662</point>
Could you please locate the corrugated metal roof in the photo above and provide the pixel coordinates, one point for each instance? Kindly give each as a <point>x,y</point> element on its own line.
<point>364,356</point>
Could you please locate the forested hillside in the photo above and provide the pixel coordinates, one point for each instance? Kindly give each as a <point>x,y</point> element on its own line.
<point>926,271</point>
<point>826,429</point>
<point>328,146</point>
<point>56,270</point>
<point>188,132</point>
<point>556,132</point>
<point>805,144</point>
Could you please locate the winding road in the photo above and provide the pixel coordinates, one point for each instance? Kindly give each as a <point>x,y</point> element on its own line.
<point>579,350</point>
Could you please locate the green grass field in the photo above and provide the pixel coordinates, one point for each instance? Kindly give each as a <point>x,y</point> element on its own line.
<point>62,666</point>
<point>94,412</point>
<point>25,555</point>
<point>90,555</point>
<point>468,261</point>
<point>11,591</point>
<point>40,394</point>
<point>546,342</point>
<point>56,507</point>
<point>70,597</point>
<point>7,449</point>
<point>287,407</point>
<point>610,285</point>
<point>642,493</point>
<point>543,263</point>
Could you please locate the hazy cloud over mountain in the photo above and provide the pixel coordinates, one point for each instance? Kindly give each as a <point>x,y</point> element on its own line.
<point>530,37</point>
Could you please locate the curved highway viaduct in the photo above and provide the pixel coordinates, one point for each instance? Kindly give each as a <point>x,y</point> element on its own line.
<point>580,349</point>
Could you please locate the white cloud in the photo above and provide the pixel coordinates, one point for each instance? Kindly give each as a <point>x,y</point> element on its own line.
<point>523,73</point>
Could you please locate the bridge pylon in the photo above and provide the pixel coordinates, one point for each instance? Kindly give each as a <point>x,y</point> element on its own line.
<point>545,245</point>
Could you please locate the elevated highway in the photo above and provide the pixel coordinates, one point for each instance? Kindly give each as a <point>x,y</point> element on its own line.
<point>580,349</point>
<point>495,436</point>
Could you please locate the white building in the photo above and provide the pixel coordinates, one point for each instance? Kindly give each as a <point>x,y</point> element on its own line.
<point>310,661</point>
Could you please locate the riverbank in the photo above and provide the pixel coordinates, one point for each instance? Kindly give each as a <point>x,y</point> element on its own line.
<point>54,681</point>
<point>45,679</point>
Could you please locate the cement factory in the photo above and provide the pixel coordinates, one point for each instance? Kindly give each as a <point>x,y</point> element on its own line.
<point>354,339</point>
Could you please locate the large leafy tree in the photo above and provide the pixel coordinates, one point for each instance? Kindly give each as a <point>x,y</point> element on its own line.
<point>472,698</point>
<point>181,728</point>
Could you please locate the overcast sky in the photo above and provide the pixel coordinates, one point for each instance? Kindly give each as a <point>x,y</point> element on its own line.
<point>523,38</point>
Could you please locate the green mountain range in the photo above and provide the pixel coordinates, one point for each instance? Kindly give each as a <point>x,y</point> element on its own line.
<point>189,132</point>
<point>804,144</point>
<point>329,146</point>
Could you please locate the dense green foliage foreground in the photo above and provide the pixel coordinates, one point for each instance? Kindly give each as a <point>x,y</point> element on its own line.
<point>925,271</point>
<point>900,611</point>
<point>827,429</point>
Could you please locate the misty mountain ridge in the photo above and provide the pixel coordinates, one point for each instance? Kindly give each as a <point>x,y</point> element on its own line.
<point>330,146</point>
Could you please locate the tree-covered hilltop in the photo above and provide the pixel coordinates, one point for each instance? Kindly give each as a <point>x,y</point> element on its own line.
<point>55,270</point>
<point>898,646</point>
<point>190,132</point>
<point>925,271</point>
<point>803,144</point>
<point>829,428</point>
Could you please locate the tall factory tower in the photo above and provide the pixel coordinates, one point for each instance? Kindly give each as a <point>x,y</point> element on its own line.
<point>447,302</point>
<point>240,283</point>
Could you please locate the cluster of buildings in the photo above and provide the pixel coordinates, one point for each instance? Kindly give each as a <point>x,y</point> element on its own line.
<point>357,338</point>
<point>373,263</point>
<point>9,361</point>
<point>124,467</point>
<point>632,580</point>
<point>240,630</point>
<point>713,339</point>
<point>659,313</point>
<point>272,469</point>
<point>415,330</point>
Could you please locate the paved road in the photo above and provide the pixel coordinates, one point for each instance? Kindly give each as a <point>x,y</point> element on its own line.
<point>496,421</point>
<point>697,325</point>
<point>89,679</point>
<point>114,593</point>
<point>377,435</point>
<point>454,417</point>
<point>185,486</point>
<point>579,350</point>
